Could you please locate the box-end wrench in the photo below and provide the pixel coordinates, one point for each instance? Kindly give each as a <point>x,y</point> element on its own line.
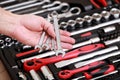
<point>39,46</point>
<point>29,6</point>
<point>36,63</point>
<point>51,5</point>
<point>84,57</point>
<point>72,12</point>
<point>63,7</point>
<point>59,49</point>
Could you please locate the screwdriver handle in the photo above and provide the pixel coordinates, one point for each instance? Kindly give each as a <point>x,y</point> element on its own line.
<point>98,72</point>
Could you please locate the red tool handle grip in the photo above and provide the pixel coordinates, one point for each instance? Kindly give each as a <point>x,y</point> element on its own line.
<point>97,5</point>
<point>26,53</point>
<point>98,72</point>
<point>37,63</point>
<point>65,74</point>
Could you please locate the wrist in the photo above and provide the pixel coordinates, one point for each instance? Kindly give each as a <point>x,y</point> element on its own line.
<point>7,21</point>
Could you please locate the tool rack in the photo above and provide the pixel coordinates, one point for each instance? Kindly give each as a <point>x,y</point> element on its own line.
<point>84,31</point>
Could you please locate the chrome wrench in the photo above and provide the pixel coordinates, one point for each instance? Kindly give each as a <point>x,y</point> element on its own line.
<point>46,46</point>
<point>39,46</point>
<point>51,5</point>
<point>20,4</point>
<point>60,7</point>
<point>28,6</point>
<point>73,11</point>
<point>57,32</point>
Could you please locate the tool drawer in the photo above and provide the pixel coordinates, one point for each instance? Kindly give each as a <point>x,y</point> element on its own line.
<point>95,26</point>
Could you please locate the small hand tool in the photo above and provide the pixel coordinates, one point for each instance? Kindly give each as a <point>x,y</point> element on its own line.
<point>65,74</point>
<point>37,63</point>
<point>20,4</point>
<point>96,27</point>
<point>105,15</point>
<point>63,7</point>
<point>34,75</point>
<point>83,63</point>
<point>57,32</point>
<point>39,46</point>
<point>84,57</point>
<point>29,6</point>
<point>115,12</point>
<point>46,45</point>
<point>72,12</point>
<point>51,4</point>
<point>47,73</point>
<point>7,2</point>
<point>98,72</point>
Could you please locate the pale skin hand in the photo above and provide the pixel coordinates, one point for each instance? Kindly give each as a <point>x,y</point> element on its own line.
<point>28,28</point>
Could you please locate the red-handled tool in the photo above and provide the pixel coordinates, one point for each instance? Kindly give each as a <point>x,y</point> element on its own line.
<point>65,74</point>
<point>37,63</point>
<point>98,72</point>
<point>99,3</point>
<point>26,53</point>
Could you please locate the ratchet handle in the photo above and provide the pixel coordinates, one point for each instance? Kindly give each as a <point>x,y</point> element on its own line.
<point>98,72</point>
<point>36,64</point>
<point>65,74</point>
<point>23,54</point>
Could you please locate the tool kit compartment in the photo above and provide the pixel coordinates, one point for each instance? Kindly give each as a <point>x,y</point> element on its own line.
<point>95,26</point>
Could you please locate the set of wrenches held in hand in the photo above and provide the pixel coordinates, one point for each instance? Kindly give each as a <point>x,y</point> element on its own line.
<point>55,43</point>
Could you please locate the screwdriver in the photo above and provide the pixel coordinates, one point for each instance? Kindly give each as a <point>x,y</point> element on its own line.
<point>65,74</point>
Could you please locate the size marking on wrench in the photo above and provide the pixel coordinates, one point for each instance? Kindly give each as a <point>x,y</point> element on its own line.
<point>39,46</point>
<point>57,32</point>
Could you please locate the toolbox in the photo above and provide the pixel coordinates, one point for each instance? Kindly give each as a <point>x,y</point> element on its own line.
<point>95,26</point>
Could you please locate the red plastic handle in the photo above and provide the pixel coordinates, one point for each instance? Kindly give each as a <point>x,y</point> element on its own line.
<point>36,64</point>
<point>103,2</point>
<point>66,74</point>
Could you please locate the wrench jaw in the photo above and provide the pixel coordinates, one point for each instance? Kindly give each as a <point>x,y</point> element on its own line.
<point>45,47</point>
<point>39,47</point>
<point>60,52</point>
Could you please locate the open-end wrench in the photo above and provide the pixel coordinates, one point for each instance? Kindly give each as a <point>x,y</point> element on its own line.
<point>57,32</point>
<point>19,4</point>
<point>29,6</point>
<point>51,5</point>
<point>46,45</point>
<point>39,46</point>
<point>36,63</point>
<point>63,7</point>
<point>65,74</point>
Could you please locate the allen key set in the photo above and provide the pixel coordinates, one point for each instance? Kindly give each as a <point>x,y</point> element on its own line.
<point>95,26</point>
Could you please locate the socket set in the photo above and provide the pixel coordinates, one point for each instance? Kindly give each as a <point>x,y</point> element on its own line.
<point>95,54</point>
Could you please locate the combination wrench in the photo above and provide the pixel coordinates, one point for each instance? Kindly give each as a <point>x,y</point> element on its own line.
<point>7,2</point>
<point>29,6</point>
<point>20,4</point>
<point>51,5</point>
<point>64,7</point>
<point>59,49</point>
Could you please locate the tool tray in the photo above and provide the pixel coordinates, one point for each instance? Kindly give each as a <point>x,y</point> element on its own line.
<point>15,65</point>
